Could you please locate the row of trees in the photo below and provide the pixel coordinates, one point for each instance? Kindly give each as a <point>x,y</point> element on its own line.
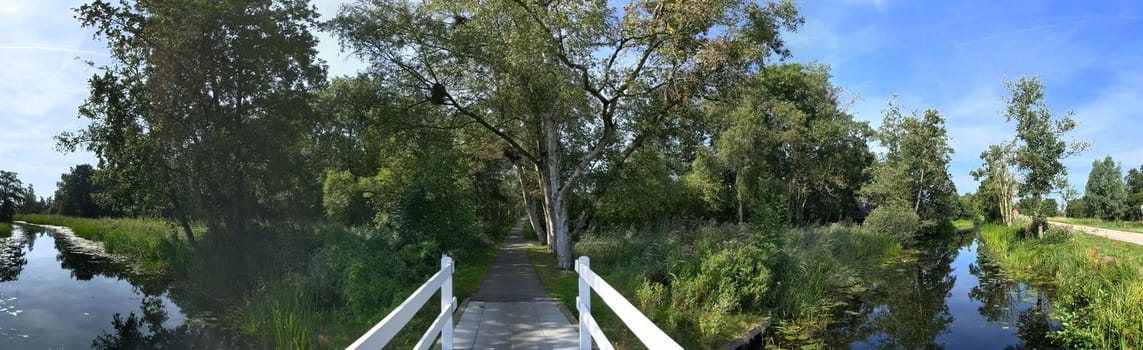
<point>1108,194</point>
<point>576,113</point>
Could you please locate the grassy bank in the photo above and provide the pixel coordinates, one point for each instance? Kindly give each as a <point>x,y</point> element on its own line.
<point>1128,226</point>
<point>1098,282</point>
<point>5,229</point>
<point>347,286</point>
<point>707,286</point>
<point>293,286</point>
<point>150,242</point>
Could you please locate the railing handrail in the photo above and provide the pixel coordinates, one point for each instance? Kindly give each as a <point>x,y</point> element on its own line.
<point>644,329</point>
<point>383,332</point>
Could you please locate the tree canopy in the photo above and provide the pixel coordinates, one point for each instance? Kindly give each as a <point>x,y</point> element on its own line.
<point>564,84</point>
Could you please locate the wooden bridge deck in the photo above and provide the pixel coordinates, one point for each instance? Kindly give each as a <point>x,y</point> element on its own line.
<point>512,310</point>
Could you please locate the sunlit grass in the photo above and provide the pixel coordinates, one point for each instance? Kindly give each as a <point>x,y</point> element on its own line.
<point>1129,226</point>
<point>152,242</point>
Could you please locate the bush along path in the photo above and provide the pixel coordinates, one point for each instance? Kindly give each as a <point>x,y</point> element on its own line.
<point>511,309</point>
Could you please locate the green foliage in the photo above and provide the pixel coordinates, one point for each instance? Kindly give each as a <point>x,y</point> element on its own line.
<point>1098,285</point>
<point>1049,207</point>
<point>1040,134</point>
<point>784,143</point>
<point>997,182</point>
<point>5,229</point>
<point>342,199</point>
<point>624,204</point>
<point>1135,194</point>
<point>913,173</point>
<point>704,286</point>
<point>12,194</point>
<point>558,105</point>
<point>900,223</point>
<point>204,125</point>
<point>77,193</point>
<point>1076,209</point>
<point>1105,195</point>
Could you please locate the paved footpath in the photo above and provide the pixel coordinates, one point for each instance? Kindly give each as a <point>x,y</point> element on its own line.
<point>1129,237</point>
<point>511,310</point>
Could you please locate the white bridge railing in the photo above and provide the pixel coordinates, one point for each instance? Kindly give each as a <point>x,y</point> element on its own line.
<point>644,329</point>
<point>380,335</point>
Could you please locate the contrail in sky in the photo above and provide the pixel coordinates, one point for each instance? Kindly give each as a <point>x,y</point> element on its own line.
<point>31,47</point>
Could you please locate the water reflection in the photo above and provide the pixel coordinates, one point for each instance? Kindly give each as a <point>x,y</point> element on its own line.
<point>12,255</point>
<point>1005,301</point>
<point>63,296</point>
<point>951,296</point>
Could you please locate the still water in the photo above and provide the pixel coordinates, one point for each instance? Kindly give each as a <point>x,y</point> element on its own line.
<point>59,291</point>
<point>952,296</point>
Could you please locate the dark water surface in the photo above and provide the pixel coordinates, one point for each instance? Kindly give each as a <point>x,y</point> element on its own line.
<point>59,291</point>
<point>953,296</point>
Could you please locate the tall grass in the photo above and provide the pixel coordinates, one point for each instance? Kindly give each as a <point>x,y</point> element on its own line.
<point>5,229</point>
<point>1098,282</point>
<point>152,242</point>
<point>707,286</point>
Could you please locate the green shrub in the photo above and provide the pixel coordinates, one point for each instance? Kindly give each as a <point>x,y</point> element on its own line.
<point>5,229</point>
<point>901,223</point>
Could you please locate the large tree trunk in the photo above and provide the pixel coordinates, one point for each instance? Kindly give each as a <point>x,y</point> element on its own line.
<point>531,207</point>
<point>555,196</point>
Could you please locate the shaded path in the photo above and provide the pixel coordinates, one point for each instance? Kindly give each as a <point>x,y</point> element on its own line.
<point>511,310</point>
<point>1123,236</point>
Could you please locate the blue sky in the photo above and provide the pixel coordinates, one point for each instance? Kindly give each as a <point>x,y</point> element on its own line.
<point>948,55</point>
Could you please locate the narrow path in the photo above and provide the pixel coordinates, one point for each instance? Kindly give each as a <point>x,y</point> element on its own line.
<point>1129,237</point>
<point>511,310</point>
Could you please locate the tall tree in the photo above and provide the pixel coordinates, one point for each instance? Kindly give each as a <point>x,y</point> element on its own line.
<point>997,179</point>
<point>1105,195</point>
<point>789,144</point>
<point>913,172</point>
<point>1135,193</point>
<point>562,83</point>
<point>11,195</point>
<point>204,105</point>
<point>76,191</point>
<point>1040,146</point>
<point>31,204</point>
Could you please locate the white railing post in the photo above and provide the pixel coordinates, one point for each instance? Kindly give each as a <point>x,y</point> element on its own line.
<point>583,301</point>
<point>446,302</point>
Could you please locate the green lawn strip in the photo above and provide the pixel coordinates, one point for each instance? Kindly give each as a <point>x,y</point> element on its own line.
<point>1127,226</point>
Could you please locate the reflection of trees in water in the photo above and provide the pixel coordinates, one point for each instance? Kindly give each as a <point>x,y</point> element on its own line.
<point>906,308</point>
<point>146,331</point>
<point>83,265</point>
<point>1003,301</point>
<point>13,254</point>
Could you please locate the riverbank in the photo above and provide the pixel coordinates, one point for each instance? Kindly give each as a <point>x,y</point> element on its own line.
<point>707,286</point>
<point>292,286</point>
<point>148,242</point>
<point>5,229</point>
<point>1097,282</point>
